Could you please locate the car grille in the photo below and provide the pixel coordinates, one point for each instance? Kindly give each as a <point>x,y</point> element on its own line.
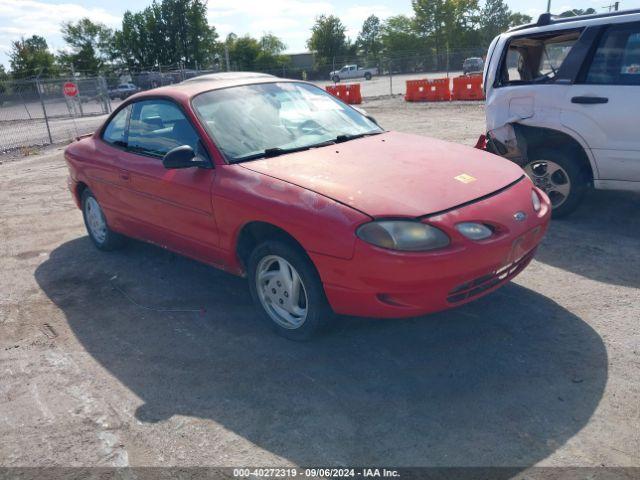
<point>475,287</point>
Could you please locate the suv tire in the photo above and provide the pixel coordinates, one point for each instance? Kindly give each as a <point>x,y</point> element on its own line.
<point>559,174</point>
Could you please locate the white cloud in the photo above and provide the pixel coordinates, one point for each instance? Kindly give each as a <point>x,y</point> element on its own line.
<point>32,17</point>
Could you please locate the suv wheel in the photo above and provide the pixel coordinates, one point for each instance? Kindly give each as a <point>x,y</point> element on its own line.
<point>99,232</point>
<point>336,79</point>
<point>559,175</point>
<point>287,289</point>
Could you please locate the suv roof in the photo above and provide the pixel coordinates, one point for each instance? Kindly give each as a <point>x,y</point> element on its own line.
<point>548,19</point>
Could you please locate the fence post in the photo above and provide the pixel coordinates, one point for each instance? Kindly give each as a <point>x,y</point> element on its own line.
<point>44,110</point>
<point>390,78</point>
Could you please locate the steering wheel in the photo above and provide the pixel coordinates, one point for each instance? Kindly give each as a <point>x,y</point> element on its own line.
<point>309,127</point>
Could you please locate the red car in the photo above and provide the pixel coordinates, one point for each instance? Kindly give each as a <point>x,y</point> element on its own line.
<point>321,209</point>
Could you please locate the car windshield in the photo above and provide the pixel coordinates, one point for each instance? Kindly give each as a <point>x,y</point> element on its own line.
<point>253,121</point>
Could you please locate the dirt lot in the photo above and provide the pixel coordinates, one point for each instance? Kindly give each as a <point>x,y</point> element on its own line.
<point>141,357</point>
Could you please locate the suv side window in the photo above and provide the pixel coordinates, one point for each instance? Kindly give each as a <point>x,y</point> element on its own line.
<point>157,126</point>
<point>116,131</point>
<point>536,59</point>
<point>617,58</point>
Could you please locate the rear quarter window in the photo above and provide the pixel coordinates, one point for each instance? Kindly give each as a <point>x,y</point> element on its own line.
<point>616,60</point>
<point>537,58</point>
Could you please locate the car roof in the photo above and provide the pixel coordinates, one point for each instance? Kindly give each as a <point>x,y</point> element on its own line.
<point>549,23</point>
<point>188,89</point>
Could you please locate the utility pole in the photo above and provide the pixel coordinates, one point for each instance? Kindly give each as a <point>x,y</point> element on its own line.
<point>548,6</point>
<point>226,56</point>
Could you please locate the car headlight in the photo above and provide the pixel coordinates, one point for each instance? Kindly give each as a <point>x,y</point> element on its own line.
<point>474,231</point>
<point>403,235</point>
<point>535,199</point>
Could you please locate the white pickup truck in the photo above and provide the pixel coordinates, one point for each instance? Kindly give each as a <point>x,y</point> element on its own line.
<point>353,71</point>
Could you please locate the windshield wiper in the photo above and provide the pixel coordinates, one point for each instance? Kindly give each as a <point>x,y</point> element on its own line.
<point>276,151</point>
<point>346,137</point>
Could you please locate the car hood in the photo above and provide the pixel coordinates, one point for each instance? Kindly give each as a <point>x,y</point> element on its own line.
<point>394,174</point>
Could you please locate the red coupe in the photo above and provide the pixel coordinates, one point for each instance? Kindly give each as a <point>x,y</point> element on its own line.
<point>321,209</point>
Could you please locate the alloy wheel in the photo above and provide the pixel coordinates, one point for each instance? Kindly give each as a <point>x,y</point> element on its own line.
<point>281,292</point>
<point>551,178</point>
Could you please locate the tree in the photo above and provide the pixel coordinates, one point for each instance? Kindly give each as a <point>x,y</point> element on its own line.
<point>495,18</point>
<point>168,32</point>
<point>516,19</point>
<point>576,12</point>
<point>31,57</point>
<point>328,39</point>
<point>90,45</point>
<point>248,53</point>
<point>369,42</point>
<point>398,36</point>
<point>446,24</point>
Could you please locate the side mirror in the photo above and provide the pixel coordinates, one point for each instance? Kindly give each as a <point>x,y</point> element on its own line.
<point>183,157</point>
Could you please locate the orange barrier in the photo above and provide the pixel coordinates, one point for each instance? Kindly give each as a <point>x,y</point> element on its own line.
<point>439,90</point>
<point>349,93</point>
<point>353,94</point>
<point>339,91</point>
<point>428,90</point>
<point>467,88</point>
<point>416,91</point>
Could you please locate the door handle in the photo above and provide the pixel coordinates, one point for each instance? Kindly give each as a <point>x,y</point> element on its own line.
<point>589,100</point>
<point>124,175</point>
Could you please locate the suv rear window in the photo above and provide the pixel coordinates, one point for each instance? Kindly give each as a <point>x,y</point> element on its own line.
<point>536,59</point>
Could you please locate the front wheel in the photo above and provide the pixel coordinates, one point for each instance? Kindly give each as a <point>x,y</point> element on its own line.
<point>336,79</point>
<point>559,175</point>
<point>287,289</point>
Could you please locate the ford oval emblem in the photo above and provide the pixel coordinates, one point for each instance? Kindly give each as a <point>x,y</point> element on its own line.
<point>519,216</point>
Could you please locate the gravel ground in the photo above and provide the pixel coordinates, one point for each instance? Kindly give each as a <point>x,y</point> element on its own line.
<point>142,357</point>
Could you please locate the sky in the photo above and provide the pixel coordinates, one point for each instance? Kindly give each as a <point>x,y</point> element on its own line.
<point>290,20</point>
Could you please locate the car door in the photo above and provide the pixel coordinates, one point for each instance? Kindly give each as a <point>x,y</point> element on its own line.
<point>169,207</point>
<point>603,104</point>
<point>104,173</point>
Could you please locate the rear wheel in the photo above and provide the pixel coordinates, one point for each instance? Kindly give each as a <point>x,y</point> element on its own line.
<point>287,289</point>
<point>367,76</point>
<point>99,232</point>
<point>559,175</point>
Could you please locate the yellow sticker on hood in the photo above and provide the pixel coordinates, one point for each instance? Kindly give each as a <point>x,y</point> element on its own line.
<point>465,178</point>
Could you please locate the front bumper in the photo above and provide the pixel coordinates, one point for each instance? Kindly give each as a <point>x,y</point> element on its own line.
<point>387,284</point>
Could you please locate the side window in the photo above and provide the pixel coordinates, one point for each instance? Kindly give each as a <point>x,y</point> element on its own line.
<point>115,133</point>
<point>617,58</point>
<point>536,59</point>
<point>157,126</point>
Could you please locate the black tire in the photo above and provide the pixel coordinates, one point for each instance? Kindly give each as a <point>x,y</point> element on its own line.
<point>336,79</point>
<point>367,76</point>
<point>318,311</point>
<point>572,170</point>
<point>111,239</point>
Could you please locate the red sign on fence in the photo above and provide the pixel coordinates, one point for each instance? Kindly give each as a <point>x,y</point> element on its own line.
<point>70,89</point>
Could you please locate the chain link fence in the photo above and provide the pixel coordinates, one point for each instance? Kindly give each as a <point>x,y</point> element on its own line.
<point>37,112</point>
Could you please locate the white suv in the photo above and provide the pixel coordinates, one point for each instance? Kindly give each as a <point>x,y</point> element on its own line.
<point>563,101</point>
